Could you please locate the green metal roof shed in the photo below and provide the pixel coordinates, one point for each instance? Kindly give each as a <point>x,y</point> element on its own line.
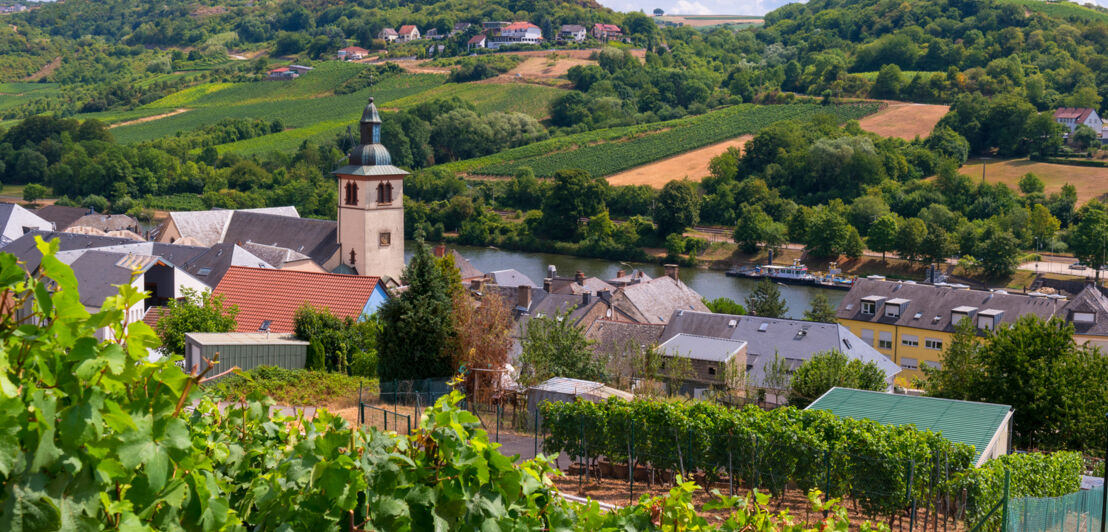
<point>245,350</point>
<point>985,426</point>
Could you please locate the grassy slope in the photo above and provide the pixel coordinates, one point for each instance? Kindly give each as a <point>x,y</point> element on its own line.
<point>487,97</point>
<point>14,94</point>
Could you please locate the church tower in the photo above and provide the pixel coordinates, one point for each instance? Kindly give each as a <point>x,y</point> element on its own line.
<point>371,205</point>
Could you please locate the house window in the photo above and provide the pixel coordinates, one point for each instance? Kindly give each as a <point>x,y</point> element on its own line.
<point>933,343</point>
<point>351,193</point>
<point>385,239</point>
<point>384,193</point>
<point>985,322</point>
<point>910,341</point>
<point>909,363</point>
<point>885,340</point>
<point>933,364</point>
<point>867,307</point>
<point>1084,317</point>
<point>956,317</point>
<point>711,371</point>
<point>892,311</point>
<point>867,336</point>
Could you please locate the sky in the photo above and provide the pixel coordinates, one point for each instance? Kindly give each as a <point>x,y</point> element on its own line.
<point>714,7</point>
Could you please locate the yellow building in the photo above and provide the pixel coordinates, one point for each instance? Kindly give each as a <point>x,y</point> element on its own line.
<point>912,323</point>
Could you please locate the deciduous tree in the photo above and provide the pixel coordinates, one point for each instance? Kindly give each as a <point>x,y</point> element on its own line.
<point>765,300</point>
<point>829,369</point>
<point>194,312</point>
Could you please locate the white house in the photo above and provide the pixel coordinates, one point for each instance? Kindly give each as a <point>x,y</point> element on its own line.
<point>516,33</point>
<point>388,35</point>
<point>1071,117</point>
<point>572,33</point>
<point>352,53</point>
<point>408,33</point>
<point>478,41</point>
<point>15,221</point>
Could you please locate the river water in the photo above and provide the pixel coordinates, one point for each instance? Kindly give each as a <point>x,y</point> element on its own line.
<point>709,283</point>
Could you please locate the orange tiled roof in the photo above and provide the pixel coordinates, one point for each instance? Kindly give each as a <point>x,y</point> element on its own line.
<point>406,29</point>
<point>265,294</point>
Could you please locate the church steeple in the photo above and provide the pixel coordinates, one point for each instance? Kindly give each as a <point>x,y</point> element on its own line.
<point>370,124</point>
<point>369,151</point>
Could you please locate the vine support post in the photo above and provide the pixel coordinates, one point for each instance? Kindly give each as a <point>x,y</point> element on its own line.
<point>1004,504</point>
<point>826,479</point>
<point>536,433</point>
<point>631,459</point>
<point>730,468</point>
<point>911,497</point>
<point>585,464</point>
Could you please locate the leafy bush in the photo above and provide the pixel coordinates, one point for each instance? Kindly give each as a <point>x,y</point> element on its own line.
<point>1032,475</point>
<point>294,386</point>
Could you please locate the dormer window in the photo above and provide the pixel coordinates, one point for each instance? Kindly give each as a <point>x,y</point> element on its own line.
<point>989,319</point>
<point>958,313</point>
<point>869,304</point>
<point>895,307</point>
<point>1083,317</point>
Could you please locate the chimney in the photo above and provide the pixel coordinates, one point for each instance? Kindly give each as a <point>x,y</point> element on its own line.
<point>620,274</point>
<point>551,271</point>
<point>585,297</point>
<point>579,277</point>
<point>546,284</point>
<point>605,295</point>
<point>440,250</point>
<point>671,272</point>
<point>523,296</point>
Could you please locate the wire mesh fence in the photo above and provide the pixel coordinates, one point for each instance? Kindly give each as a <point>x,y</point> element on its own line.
<point>1076,512</point>
<point>384,419</point>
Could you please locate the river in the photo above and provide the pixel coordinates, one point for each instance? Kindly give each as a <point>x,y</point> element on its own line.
<point>709,283</point>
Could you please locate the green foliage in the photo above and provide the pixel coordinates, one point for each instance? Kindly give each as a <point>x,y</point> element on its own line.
<point>769,449</point>
<point>1036,367</point>
<point>828,369</point>
<point>1032,475</point>
<point>194,312</point>
<point>821,310</point>
<point>724,305</point>
<point>678,207</point>
<point>316,360</point>
<point>766,301</point>
<point>34,192</point>
<point>417,326</point>
<point>554,346</point>
<point>573,196</point>
<point>294,387</point>
<point>340,340</point>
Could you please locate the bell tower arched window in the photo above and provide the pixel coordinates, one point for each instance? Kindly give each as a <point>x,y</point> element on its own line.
<point>353,257</point>
<point>384,192</point>
<point>351,193</point>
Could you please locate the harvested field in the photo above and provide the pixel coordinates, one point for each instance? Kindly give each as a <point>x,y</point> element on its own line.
<point>1090,182</point>
<point>541,67</point>
<point>691,164</point>
<point>904,120</point>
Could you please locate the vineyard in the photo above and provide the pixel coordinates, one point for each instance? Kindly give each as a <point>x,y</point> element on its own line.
<point>296,104</point>
<point>488,97</point>
<point>668,138</point>
<point>883,470</point>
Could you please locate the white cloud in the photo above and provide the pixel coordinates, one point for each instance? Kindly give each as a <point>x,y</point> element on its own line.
<point>685,7</point>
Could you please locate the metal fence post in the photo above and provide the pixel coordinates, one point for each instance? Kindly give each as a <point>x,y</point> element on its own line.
<point>585,452</point>
<point>911,498</point>
<point>1004,508</point>
<point>498,410</point>
<point>826,479</point>
<point>631,461</point>
<point>385,416</point>
<point>409,425</point>
<point>1104,495</point>
<point>730,469</point>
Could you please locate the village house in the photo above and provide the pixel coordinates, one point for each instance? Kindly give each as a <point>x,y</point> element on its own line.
<point>654,301</point>
<point>285,291</point>
<point>388,35</point>
<point>516,33</point>
<point>354,53</point>
<point>434,34</point>
<point>477,41</point>
<point>709,357</point>
<point>572,33</point>
<point>1071,117</point>
<point>408,33</point>
<point>282,74</point>
<point>15,221</point>
<point>606,32</point>
<point>911,323</point>
<point>459,27</point>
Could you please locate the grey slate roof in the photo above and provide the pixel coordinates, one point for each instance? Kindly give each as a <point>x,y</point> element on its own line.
<point>1093,301</point>
<point>466,268</point>
<point>274,255</point>
<point>208,227</point>
<point>107,222</point>
<point>317,239</point>
<point>510,277</point>
<point>15,221</point>
<point>655,300</point>
<point>794,341</point>
<point>930,306</point>
<point>210,265</point>
<point>621,338</point>
<point>61,216</point>
<point>25,250</point>
<point>99,271</point>
<point>699,347</point>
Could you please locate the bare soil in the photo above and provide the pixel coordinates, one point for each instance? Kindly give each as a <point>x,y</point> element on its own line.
<point>691,164</point>
<point>46,70</point>
<point>904,120</point>
<point>148,118</point>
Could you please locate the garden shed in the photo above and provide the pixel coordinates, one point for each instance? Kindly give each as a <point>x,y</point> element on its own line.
<point>245,350</point>
<point>565,390</point>
<point>985,426</point>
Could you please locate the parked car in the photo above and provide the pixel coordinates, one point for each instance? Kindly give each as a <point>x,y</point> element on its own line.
<point>1077,266</point>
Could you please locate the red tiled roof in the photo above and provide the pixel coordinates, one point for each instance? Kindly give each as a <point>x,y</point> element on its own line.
<point>607,27</point>
<point>407,29</point>
<point>276,70</point>
<point>354,50</point>
<point>267,294</point>
<point>477,38</point>
<point>1078,113</point>
<point>520,26</point>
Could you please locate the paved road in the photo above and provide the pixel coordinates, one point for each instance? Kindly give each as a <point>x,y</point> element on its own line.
<point>1051,266</point>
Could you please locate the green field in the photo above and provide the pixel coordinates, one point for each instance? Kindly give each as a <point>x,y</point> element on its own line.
<point>668,138</point>
<point>305,105</point>
<point>488,97</point>
<point>15,94</point>
<point>1063,10</point>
